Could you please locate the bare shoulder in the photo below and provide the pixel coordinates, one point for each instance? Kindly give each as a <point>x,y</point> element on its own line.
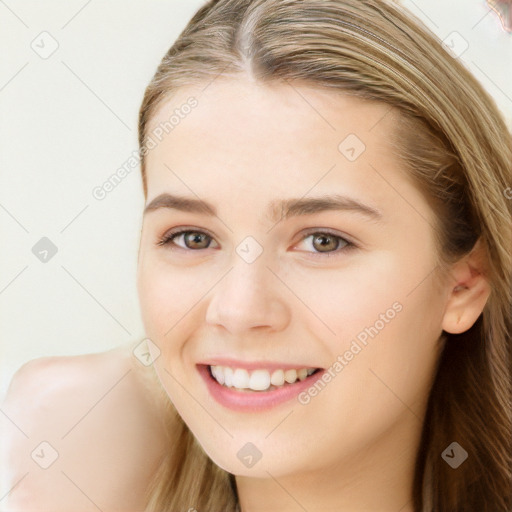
<point>85,432</point>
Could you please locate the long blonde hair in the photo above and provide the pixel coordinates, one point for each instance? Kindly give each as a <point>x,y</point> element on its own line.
<point>457,147</point>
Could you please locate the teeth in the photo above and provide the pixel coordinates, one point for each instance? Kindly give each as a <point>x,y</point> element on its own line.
<point>228,375</point>
<point>277,378</point>
<point>290,376</point>
<point>219,376</point>
<point>258,380</point>
<point>302,373</point>
<point>240,379</point>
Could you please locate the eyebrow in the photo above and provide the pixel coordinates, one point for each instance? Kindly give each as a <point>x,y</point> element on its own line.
<point>278,209</point>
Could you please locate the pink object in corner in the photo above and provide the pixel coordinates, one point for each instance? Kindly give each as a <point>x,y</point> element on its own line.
<point>503,8</point>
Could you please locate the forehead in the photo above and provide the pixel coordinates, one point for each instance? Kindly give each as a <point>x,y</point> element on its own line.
<point>244,102</point>
<point>277,139</point>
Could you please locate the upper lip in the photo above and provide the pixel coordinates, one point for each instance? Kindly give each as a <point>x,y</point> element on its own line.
<point>253,365</point>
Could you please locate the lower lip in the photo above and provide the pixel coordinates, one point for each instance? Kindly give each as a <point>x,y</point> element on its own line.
<point>254,401</point>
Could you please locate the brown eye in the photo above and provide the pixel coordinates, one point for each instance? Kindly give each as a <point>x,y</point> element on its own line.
<point>196,240</point>
<point>325,242</point>
<point>193,240</point>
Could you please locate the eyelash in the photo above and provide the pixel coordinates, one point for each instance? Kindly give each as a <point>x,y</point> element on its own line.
<point>171,235</point>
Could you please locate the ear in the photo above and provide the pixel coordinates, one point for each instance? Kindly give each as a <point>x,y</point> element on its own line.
<point>469,291</point>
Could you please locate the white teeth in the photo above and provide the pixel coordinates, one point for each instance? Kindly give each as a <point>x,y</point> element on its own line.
<point>290,376</point>
<point>240,379</point>
<point>277,378</point>
<point>228,375</point>
<point>218,374</point>
<point>258,380</point>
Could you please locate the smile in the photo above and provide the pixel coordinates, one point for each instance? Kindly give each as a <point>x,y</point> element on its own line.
<point>256,389</point>
<point>259,379</point>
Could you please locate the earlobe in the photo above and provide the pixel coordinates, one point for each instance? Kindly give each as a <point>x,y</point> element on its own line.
<point>469,292</point>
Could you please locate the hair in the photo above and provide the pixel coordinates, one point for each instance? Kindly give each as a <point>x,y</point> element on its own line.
<point>456,148</point>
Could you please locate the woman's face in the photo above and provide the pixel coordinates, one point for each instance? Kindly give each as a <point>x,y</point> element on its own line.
<point>345,282</point>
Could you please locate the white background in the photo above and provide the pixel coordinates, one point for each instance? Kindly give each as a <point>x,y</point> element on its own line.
<point>68,122</point>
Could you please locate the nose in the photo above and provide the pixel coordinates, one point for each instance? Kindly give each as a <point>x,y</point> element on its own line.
<point>250,297</point>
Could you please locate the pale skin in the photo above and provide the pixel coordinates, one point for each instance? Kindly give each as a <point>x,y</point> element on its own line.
<point>96,412</point>
<point>352,447</point>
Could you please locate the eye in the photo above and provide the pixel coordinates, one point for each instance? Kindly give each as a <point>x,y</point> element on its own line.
<point>325,242</point>
<point>322,242</point>
<point>192,239</point>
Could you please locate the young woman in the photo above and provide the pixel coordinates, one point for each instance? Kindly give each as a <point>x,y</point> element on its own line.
<point>324,278</point>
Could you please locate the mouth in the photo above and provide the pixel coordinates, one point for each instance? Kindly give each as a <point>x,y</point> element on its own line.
<point>256,389</point>
<point>258,380</point>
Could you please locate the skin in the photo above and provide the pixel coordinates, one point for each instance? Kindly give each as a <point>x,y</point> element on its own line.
<point>247,144</point>
<point>243,146</point>
<point>98,413</point>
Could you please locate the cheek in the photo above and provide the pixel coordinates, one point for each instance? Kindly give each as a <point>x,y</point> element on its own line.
<point>349,297</point>
<point>164,296</point>
<point>382,313</point>
<point>170,298</point>
<point>387,323</point>
<point>385,349</point>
